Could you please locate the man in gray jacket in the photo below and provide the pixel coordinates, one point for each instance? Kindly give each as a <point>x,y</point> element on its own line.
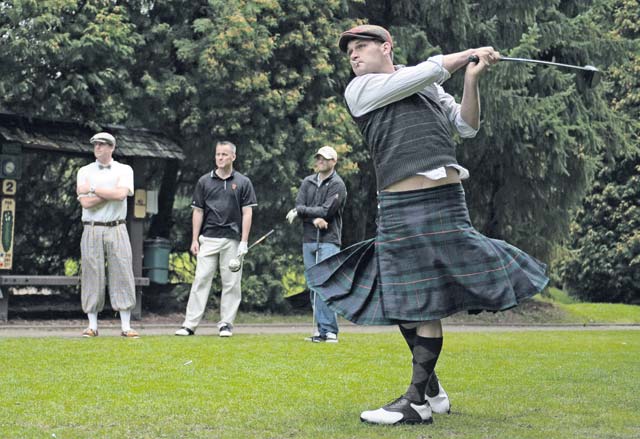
<point>319,204</point>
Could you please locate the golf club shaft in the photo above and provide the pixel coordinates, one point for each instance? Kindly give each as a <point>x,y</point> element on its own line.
<point>475,59</point>
<point>313,305</point>
<point>262,238</point>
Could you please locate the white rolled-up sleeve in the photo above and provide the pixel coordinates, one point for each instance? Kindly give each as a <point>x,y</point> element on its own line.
<point>375,90</point>
<point>452,110</point>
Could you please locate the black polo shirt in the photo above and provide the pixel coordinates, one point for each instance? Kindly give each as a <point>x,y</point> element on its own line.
<point>222,202</point>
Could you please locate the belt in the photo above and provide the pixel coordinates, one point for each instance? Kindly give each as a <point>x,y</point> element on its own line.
<point>105,224</point>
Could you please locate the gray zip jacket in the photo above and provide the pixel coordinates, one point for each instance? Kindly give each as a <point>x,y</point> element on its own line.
<point>322,199</point>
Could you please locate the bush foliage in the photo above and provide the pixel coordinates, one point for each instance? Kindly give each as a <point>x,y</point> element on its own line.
<point>268,76</point>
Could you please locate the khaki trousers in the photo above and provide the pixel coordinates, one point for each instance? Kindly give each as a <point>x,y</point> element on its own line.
<point>112,242</point>
<point>214,253</point>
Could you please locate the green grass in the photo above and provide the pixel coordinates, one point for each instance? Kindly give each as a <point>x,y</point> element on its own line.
<point>603,313</point>
<point>560,296</point>
<point>264,318</point>
<point>575,311</point>
<point>503,385</point>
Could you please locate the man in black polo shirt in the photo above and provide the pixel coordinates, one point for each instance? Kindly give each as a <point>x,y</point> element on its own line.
<point>320,203</point>
<point>222,211</point>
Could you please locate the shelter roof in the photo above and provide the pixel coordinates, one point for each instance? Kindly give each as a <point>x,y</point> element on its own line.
<point>71,137</point>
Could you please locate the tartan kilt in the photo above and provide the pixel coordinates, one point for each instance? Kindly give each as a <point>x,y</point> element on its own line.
<point>426,262</point>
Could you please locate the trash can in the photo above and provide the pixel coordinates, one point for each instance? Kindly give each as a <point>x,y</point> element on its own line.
<point>156,259</point>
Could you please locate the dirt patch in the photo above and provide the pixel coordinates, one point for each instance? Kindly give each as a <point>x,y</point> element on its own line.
<point>528,312</point>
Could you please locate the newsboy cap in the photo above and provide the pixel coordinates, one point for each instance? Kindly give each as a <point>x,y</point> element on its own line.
<point>103,137</point>
<point>365,32</point>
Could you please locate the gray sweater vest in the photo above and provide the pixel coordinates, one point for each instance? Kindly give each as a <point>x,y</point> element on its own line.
<point>406,137</point>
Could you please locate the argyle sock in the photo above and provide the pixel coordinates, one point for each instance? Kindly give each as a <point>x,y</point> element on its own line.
<point>433,385</point>
<point>410,335</point>
<point>425,356</point>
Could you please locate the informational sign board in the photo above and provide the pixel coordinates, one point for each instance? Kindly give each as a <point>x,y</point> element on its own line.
<point>9,187</point>
<point>7,226</point>
<point>140,203</point>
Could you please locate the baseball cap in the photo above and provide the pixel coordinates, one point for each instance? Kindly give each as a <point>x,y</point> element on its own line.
<point>366,32</point>
<point>103,137</point>
<point>328,153</point>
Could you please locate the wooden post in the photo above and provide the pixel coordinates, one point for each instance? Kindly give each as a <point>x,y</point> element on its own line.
<point>135,228</point>
<point>4,305</point>
<point>7,226</point>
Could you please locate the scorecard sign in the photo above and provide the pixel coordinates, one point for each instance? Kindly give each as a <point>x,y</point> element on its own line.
<point>7,224</point>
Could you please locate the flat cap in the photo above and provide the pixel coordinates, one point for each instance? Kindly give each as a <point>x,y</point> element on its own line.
<point>103,137</point>
<point>365,32</point>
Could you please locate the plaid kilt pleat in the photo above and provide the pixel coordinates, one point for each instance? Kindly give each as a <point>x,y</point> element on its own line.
<point>425,263</point>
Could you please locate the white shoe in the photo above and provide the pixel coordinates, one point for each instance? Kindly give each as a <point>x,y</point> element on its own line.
<point>440,403</point>
<point>184,332</point>
<point>330,337</point>
<point>400,411</point>
<point>225,331</point>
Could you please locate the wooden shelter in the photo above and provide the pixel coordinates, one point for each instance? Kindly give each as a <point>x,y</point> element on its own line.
<point>137,146</point>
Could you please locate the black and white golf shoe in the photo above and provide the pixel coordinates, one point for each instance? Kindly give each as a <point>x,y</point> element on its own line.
<point>400,411</point>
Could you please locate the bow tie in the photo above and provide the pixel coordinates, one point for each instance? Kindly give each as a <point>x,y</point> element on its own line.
<point>104,167</point>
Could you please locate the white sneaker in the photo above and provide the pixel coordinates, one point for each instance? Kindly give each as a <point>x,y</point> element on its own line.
<point>184,332</point>
<point>400,411</point>
<point>330,337</point>
<point>440,403</point>
<point>225,331</point>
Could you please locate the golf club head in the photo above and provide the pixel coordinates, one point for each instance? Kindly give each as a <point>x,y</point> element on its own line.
<point>591,76</point>
<point>235,264</point>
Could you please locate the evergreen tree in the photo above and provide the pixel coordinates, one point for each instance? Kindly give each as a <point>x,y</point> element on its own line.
<point>542,137</point>
<point>267,75</point>
<point>67,59</point>
<point>603,263</point>
<point>256,72</point>
<point>604,259</point>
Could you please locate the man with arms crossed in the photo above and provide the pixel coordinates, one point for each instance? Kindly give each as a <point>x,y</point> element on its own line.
<point>222,205</point>
<point>102,188</point>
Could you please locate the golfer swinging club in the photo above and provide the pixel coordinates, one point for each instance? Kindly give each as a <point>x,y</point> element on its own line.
<point>426,261</point>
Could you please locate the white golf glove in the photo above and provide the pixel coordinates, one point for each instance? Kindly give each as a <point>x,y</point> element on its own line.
<point>292,215</point>
<point>242,249</point>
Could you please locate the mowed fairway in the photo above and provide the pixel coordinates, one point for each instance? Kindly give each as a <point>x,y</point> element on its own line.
<point>537,384</point>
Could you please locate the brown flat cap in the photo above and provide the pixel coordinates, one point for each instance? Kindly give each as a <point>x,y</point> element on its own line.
<point>365,32</point>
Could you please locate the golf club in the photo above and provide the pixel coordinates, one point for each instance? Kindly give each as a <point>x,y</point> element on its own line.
<point>313,305</point>
<point>236,263</point>
<point>589,74</point>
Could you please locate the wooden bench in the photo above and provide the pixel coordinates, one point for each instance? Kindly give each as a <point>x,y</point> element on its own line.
<point>22,280</point>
